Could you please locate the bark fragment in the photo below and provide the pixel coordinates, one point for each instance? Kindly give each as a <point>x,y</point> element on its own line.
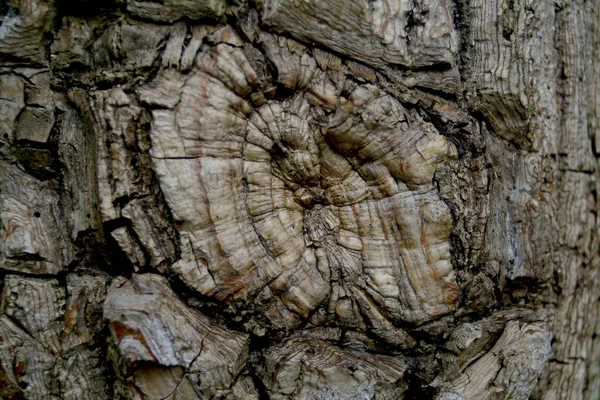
<point>510,369</point>
<point>148,323</point>
<point>32,238</point>
<point>378,33</point>
<point>173,10</point>
<point>305,369</point>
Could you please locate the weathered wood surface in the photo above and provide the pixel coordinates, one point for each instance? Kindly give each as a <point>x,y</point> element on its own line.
<point>149,324</point>
<point>299,199</point>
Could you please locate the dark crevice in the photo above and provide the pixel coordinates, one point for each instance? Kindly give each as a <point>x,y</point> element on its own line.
<point>30,144</point>
<point>4,9</point>
<point>438,93</point>
<point>113,224</point>
<point>257,347</point>
<point>117,262</point>
<point>122,201</point>
<point>18,62</point>
<point>419,376</point>
<point>452,130</point>
<point>205,304</point>
<point>27,257</point>
<point>60,276</point>
<point>435,67</point>
<point>410,22</point>
<point>87,8</point>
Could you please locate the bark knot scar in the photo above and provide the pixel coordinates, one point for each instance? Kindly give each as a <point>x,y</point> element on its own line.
<point>311,203</point>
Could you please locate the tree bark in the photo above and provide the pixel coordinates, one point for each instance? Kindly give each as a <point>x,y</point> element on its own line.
<point>285,199</point>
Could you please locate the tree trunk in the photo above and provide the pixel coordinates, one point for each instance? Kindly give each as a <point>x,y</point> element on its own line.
<point>299,199</point>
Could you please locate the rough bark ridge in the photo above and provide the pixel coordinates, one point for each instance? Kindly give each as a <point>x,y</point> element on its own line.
<point>288,199</point>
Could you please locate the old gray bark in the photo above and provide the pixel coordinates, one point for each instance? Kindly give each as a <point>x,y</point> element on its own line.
<point>388,199</point>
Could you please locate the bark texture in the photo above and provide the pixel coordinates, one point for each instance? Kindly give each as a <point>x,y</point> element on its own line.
<point>299,199</point>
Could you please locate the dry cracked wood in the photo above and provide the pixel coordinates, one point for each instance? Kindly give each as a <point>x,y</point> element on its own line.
<point>299,199</point>
<point>32,238</point>
<point>51,339</point>
<point>148,323</point>
<point>312,368</point>
<point>379,33</point>
<point>509,370</point>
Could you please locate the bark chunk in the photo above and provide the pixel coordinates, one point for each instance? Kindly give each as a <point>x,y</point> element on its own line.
<point>309,369</point>
<point>32,238</point>
<point>510,369</point>
<point>379,33</point>
<point>149,323</point>
<point>173,10</point>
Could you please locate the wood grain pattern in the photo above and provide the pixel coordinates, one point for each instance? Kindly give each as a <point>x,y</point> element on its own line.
<point>380,33</point>
<point>299,199</point>
<point>149,323</point>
